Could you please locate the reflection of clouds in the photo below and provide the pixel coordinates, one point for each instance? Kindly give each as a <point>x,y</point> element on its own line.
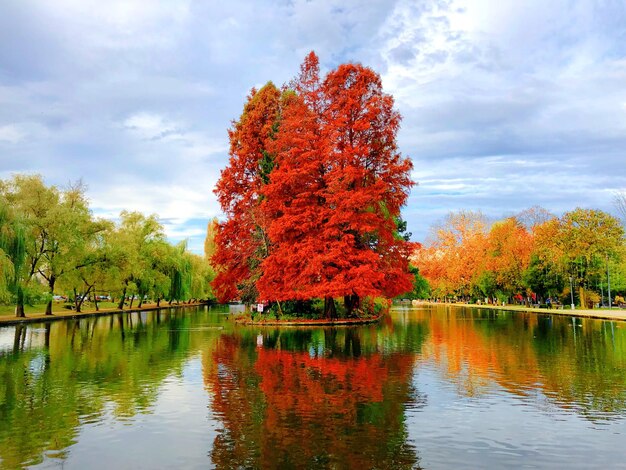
<point>177,420</point>
<point>23,336</point>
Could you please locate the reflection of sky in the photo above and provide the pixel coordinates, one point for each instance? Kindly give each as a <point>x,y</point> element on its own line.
<point>499,430</point>
<point>176,427</point>
<point>506,104</point>
<point>7,337</point>
<point>35,337</point>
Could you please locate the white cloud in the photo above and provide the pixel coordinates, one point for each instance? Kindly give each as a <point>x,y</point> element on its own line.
<point>11,134</point>
<point>135,96</point>
<point>151,126</point>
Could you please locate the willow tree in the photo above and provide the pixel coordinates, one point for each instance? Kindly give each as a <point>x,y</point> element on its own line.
<point>180,273</point>
<point>13,269</point>
<point>131,247</point>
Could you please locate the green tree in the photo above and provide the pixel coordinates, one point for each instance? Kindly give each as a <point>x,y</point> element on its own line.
<point>132,247</point>
<point>180,274</point>
<point>13,241</point>
<point>421,288</point>
<point>589,239</point>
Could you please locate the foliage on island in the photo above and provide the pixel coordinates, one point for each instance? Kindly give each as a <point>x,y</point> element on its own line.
<point>312,194</point>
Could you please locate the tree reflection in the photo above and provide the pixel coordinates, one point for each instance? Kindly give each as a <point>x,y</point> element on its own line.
<point>577,364</point>
<point>310,399</point>
<point>65,374</point>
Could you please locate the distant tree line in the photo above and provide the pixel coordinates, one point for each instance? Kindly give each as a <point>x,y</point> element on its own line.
<point>50,244</point>
<point>532,257</point>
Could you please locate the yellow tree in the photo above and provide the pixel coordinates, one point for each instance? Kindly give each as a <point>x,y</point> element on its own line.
<point>209,241</point>
<point>589,238</point>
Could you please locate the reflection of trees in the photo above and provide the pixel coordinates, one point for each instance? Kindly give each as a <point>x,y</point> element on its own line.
<point>577,364</point>
<point>79,370</point>
<point>310,399</point>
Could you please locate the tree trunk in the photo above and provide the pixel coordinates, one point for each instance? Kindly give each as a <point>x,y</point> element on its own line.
<point>76,307</point>
<point>330,310</point>
<point>132,299</point>
<point>95,299</point>
<point>583,297</point>
<point>140,301</point>
<point>82,299</point>
<point>120,306</point>
<point>158,301</point>
<point>351,302</point>
<point>19,306</point>
<point>51,283</point>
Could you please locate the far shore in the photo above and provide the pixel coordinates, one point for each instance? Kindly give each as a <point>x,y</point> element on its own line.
<point>601,314</point>
<point>6,320</point>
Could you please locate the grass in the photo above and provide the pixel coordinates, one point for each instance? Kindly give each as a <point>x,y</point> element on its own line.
<point>9,310</point>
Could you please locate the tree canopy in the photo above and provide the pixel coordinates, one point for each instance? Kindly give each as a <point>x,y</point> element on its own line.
<point>50,243</point>
<point>532,254</point>
<point>313,191</point>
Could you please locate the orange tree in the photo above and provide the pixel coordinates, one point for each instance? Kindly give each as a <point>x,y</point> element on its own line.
<point>454,261</point>
<point>509,246</point>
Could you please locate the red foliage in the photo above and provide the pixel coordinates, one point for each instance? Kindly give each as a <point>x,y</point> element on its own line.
<point>329,208</point>
<point>337,188</point>
<point>241,241</point>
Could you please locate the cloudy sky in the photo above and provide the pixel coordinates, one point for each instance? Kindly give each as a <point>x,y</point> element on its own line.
<point>506,103</point>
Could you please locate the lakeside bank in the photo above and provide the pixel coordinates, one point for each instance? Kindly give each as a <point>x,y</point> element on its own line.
<point>71,314</point>
<point>616,314</point>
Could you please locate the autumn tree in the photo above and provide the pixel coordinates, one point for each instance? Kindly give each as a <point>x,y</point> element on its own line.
<point>545,272</point>
<point>242,241</point>
<point>509,246</point>
<point>334,196</point>
<point>453,260</point>
<point>209,241</point>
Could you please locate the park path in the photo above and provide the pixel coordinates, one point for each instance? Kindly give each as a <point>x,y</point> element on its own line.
<point>613,314</point>
<point>39,317</point>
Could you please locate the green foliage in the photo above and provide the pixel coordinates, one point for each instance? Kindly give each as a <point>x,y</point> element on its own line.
<point>421,288</point>
<point>543,278</point>
<point>50,243</point>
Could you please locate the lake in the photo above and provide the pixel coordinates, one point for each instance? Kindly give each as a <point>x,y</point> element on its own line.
<point>430,387</point>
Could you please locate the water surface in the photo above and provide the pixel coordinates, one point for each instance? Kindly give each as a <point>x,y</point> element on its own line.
<point>426,388</point>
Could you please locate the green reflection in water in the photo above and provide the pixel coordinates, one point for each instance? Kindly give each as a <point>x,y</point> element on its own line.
<point>60,375</point>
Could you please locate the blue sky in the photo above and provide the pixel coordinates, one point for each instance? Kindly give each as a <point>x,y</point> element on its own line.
<point>506,104</point>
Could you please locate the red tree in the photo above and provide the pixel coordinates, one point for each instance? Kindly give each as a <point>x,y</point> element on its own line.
<point>241,241</point>
<point>336,192</point>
